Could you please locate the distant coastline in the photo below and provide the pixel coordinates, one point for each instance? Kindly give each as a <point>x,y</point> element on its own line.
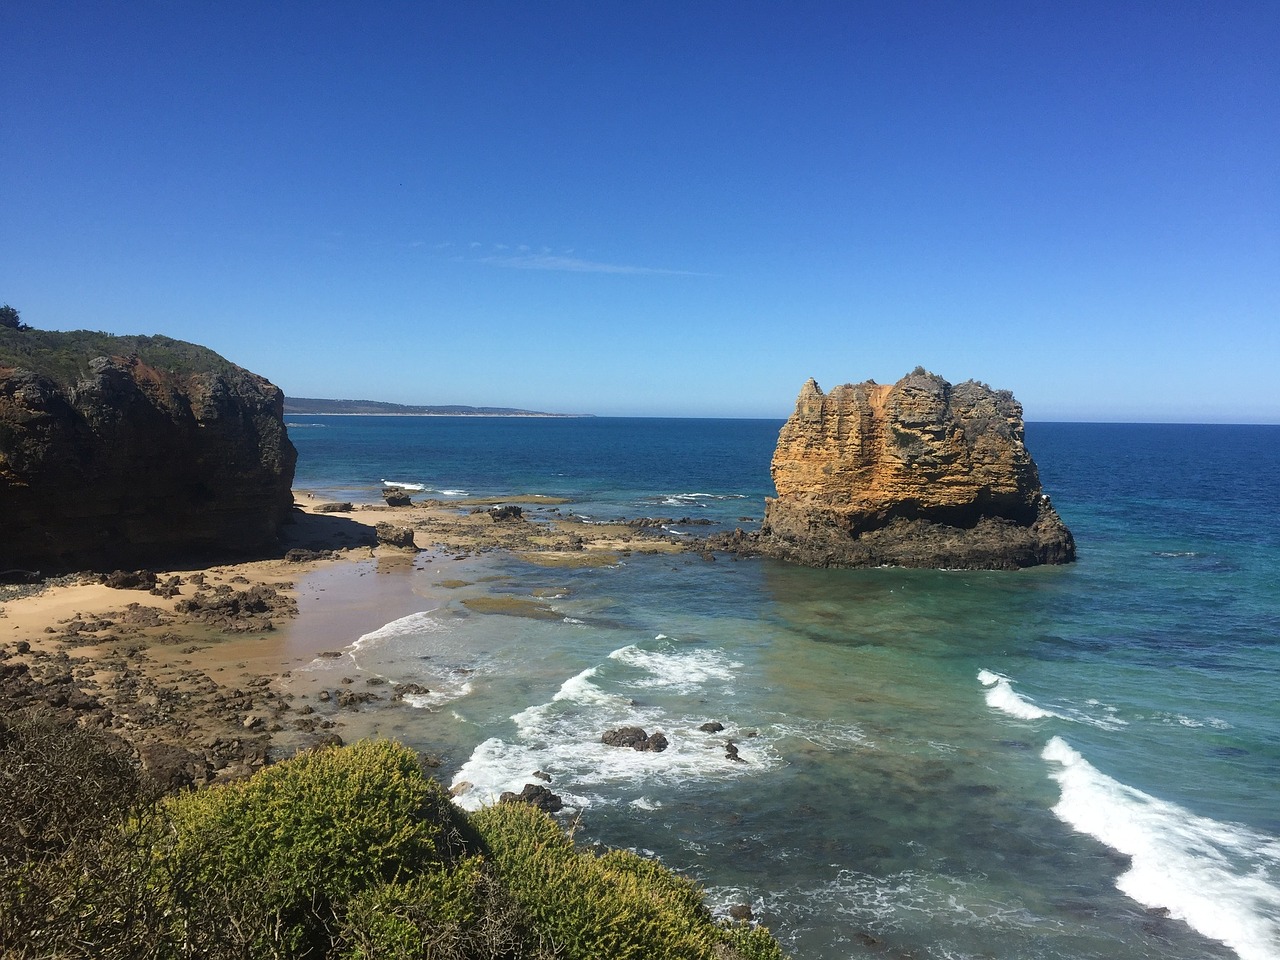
<point>378,408</point>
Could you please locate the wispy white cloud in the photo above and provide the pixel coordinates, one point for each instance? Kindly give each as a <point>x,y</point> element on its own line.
<point>551,261</point>
<point>523,257</point>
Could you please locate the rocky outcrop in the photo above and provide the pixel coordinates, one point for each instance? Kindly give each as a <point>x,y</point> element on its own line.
<point>394,536</point>
<point>636,739</point>
<point>917,474</point>
<point>152,451</point>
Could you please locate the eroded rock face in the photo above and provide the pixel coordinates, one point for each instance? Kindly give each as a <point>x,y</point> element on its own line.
<point>131,465</point>
<point>917,474</point>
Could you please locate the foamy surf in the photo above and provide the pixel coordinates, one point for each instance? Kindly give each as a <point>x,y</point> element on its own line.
<point>955,908</point>
<point>1001,696</point>
<point>682,672</point>
<point>1221,879</point>
<point>380,650</point>
<point>562,737</point>
<point>695,499</point>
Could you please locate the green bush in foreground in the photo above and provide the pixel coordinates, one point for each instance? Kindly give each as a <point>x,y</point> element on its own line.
<point>353,853</point>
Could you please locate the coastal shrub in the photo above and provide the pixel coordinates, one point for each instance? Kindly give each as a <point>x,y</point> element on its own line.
<point>60,782</point>
<point>64,356</point>
<point>615,904</point>
<point>349,853</point>
<point>71,884</point>
<point>459,914</point>
<point>299,839</point>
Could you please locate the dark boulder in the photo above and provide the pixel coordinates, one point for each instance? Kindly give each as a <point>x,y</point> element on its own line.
<point>535,795</point>
<point>635,738</point>
<point>396,497</point>
<point>130,580</point>
<point>394,536</point>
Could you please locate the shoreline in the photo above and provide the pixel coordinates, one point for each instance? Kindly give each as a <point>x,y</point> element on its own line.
<point>196,674</point>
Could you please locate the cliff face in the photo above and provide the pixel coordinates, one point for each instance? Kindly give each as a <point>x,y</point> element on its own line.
<point>918,474</point>
<point>127,463</point>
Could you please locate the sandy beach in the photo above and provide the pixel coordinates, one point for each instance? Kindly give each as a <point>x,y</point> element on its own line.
<point>188,665</point>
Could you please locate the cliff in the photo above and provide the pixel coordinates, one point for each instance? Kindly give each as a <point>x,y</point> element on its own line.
<point>917,474</point>
<point>122,451</point>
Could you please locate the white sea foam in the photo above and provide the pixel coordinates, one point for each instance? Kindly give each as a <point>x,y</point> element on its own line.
<point>1001,696</point>
<point>445,679</point>
<point>442,691</point>
<point>414,625</point>
<point>418,487</point>
<point>681,498</point>
<point>682,671</point>
<point>1182,720</point>
<point>451,493</point>
<point>562,736</point>
<point>893,902</point>
<point>1222,879</point>
<point>826,734</point>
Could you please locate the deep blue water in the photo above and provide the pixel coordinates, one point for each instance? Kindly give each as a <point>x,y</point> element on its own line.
<point>1070,762</point>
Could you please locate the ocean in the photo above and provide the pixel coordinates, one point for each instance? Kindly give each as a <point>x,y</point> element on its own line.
<point>1071,762</point>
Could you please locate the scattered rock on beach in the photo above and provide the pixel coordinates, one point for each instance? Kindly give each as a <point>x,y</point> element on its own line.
<point>130,580</point>
<point>712,726</point>
<point>393,536</point>
<point>507,513</point>
<point>238,611</point>
<point>403,690</point>
<point>303,555</point>
<point>396,497</point>
<point>343,507</point>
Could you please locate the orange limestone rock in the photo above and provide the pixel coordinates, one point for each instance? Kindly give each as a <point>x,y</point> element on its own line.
<point>918,474</point>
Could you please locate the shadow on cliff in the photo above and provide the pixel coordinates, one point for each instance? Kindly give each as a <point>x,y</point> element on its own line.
<point>324,531</point>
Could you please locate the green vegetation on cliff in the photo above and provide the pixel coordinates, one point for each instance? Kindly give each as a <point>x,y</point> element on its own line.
<point>342,853</point>
<point>64,357</point>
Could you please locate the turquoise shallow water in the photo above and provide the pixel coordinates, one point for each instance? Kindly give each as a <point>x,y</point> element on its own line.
<point>1071,762</point>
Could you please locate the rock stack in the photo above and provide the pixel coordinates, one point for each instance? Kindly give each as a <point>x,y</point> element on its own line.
<point>917,474</point>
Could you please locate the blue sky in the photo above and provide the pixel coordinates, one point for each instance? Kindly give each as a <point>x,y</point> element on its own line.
<point>662,208</point>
